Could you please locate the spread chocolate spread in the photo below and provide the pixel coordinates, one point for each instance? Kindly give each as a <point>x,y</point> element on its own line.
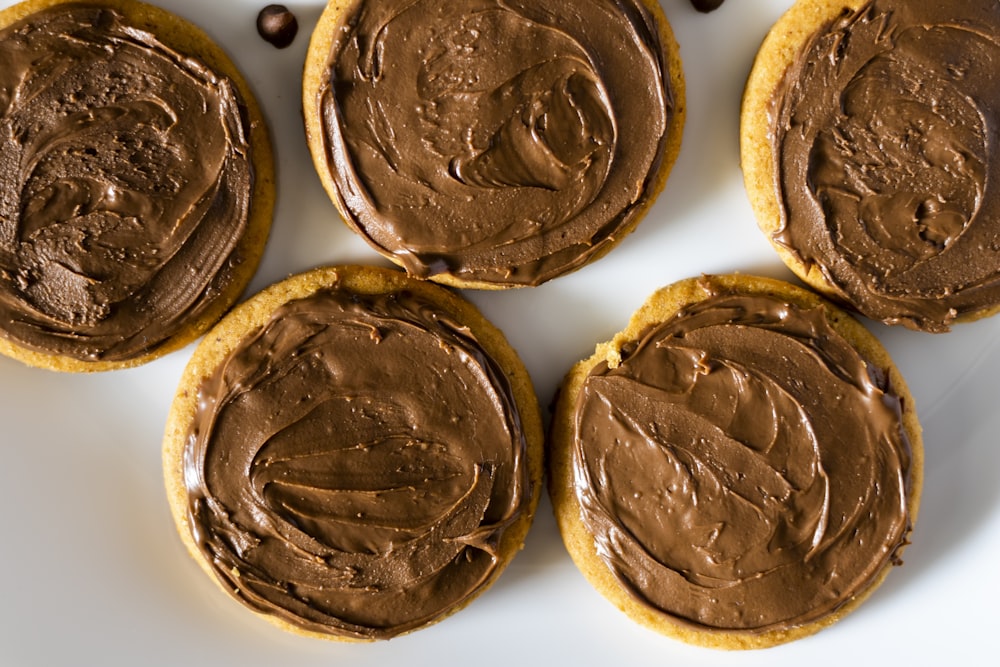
<point>498,142</point>
<point>354,465</point>
<point>742,469</point>
<point>884,132</point>
<point>124,185</point>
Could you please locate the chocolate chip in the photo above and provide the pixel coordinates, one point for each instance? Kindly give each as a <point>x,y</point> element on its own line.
<point>706,5</point>
<point>277,25</point>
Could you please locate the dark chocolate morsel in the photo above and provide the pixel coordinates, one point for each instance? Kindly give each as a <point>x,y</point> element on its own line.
<point>277,25</point>
<point>706,6</point>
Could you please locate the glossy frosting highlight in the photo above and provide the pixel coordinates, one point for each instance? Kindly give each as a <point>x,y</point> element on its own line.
<point>125,184</point>
<point>354,464</point>
<point>499,142</point>
<point>885,134</point>
<point>742,468</point>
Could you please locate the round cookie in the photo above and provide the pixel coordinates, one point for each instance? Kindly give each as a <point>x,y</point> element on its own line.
<point>740,467</point>
<point>354,454</point>
<point>487,145</point>
<point>136,183</point>
<point>866,155</point>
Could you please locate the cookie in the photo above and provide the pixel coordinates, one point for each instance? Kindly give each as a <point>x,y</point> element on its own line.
<point>354,454</point>
<point>487,145</point>
<point>867,154</point>
<point>740,467</point>
<point>136,183</point>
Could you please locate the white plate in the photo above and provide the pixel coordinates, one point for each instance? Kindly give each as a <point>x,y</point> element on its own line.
<point>93,573</point>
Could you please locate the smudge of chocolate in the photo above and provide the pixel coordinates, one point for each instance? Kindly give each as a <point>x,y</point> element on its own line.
<point>706,6</point>
<point>277,25</point>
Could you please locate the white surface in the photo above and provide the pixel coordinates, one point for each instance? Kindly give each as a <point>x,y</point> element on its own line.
<point>93,572</point>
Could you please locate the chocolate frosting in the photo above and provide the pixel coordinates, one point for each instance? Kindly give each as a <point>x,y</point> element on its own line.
<point>354,465</point>
<point>885,131</point>
<point>498,142</point>
<point>124,185</point>
<point>743,469</point>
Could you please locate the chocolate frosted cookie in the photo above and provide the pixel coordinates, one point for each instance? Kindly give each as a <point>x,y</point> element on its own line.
<point>868,148</point>
<point>354,454</point>
<point>738,468</point>
<point>493,144</point>
<point>136,183</point>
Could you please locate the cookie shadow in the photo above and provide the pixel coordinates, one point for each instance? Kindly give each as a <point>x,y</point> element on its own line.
<point>961,486</point>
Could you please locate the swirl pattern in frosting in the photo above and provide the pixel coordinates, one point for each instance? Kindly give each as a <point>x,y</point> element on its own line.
<point>885,133</point>
<point>497,142</point>
<point>354,465</point>
<point>743,468</point>
<point>125,184</point>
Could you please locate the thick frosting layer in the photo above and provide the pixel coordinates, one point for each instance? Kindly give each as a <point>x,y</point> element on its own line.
<point>499,142</point>
<point>742,469</point>
<point>354,465</point>
<point>124,185</point>
<point>885,134</point>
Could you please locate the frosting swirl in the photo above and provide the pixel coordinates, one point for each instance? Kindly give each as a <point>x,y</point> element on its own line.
<point>354,465</point>
<point>885,132</point>
<point>498,142</point>
<point>124,185</point>
<point>743,468</point>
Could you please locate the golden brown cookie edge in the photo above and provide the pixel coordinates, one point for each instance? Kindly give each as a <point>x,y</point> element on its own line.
<point>777,52</point>
<point>255,312</point>
<point>188,38</point>
<point>659,307</point>
<point>320,45</point>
